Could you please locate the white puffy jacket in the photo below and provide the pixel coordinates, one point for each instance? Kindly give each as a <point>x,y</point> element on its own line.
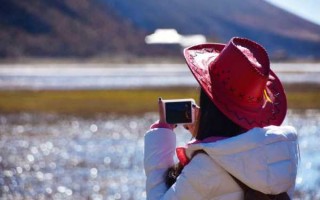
<point>265,159</point>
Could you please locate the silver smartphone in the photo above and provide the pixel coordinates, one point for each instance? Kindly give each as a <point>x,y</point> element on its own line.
<point>178,111</point>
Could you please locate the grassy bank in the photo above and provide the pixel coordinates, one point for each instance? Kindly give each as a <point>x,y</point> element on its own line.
<point>87,102</point>
<point>135,101</point>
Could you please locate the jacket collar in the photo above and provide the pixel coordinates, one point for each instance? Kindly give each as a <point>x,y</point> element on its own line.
<point>181,151</point>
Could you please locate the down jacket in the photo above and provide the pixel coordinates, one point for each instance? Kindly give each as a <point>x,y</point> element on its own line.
<point>265,159</point>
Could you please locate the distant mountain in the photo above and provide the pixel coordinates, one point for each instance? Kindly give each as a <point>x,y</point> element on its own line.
<point>282,33</point>
<point>73,28</point>
<point>99,28</point>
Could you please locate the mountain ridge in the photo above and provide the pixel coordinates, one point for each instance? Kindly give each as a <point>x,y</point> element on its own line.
<point>281,32</point>
<point>64,29</point>
<point>109,28</point>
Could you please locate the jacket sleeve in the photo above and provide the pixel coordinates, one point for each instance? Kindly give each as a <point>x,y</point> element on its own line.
<point>159,150</point>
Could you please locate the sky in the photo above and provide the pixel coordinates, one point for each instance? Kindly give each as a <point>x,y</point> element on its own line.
<point>307,9</point>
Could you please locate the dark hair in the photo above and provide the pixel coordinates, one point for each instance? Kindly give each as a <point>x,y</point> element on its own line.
<point>212,122</point>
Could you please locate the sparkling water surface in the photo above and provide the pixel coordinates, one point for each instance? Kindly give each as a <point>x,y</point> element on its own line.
<point>50,156</point>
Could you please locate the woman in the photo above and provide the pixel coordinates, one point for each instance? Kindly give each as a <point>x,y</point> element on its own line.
<point>238,134</point>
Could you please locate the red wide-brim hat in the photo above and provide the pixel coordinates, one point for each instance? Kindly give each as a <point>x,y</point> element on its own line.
<point>238,79</point>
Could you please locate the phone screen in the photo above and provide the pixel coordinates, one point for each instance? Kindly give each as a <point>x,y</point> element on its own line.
<point>178,112</point>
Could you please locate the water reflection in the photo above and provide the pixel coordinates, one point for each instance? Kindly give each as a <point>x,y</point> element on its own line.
<point>65,157</point>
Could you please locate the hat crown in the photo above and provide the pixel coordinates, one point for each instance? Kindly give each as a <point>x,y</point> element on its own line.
<point>241,71</point>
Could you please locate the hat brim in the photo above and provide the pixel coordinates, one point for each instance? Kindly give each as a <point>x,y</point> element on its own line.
<point>273,109</point>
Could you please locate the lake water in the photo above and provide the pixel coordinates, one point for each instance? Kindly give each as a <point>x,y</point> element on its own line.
<point>49,156</point>
<point>66,157</point>
<point>102,76</point>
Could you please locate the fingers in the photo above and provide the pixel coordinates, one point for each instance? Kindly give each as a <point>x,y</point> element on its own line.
<point>161,111</point>
<point>192,127</point>
<point>162,119</point>
<point>196,110</point>
<point>195,106</point>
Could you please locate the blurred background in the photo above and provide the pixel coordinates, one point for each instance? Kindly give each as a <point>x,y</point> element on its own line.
<point>79,82</point>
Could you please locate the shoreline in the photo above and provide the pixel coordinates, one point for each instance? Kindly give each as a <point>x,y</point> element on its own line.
<point>124,60</point>
<point>124,76</point>
<point>125,101</point>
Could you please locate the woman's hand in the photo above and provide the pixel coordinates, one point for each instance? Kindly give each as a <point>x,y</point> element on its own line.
<point>161,111</point>
<point>193,128</point>
<point>161,123</point>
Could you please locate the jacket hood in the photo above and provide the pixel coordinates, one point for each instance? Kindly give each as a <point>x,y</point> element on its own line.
<point>264,159</point>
